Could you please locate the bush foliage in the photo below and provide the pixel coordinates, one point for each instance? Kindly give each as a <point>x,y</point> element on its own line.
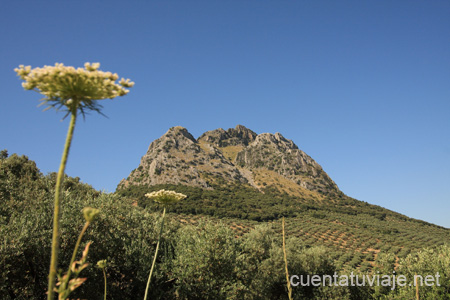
<point>206,259</point>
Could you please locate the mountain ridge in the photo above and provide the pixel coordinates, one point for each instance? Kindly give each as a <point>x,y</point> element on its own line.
<point>236,156</point>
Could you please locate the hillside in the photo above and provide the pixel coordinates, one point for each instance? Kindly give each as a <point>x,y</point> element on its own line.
<point>233,229</point>
<point>247,178</point>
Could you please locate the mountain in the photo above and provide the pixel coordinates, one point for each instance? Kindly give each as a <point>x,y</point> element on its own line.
<point>236,156</point>
<point>243,178</point>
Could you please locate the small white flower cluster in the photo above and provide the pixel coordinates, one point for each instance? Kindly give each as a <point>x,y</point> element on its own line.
<point>165,197</point>
<point>66,84</point>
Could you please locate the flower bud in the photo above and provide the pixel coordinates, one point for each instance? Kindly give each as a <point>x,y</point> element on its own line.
<point>90,213</point>
<point>101,264</point>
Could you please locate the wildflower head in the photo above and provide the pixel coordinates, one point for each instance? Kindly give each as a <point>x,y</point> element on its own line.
<point>73,89</point>
<point>90,213</point>
<point>102,264</point>
<point>165,197</point>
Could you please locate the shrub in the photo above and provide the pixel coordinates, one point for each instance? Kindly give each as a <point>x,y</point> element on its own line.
<point>123,234</point>
<point>205,263</point>
<point>428,261</point>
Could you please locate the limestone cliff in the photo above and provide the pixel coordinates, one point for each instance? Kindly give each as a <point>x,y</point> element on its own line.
<point>234,156</point>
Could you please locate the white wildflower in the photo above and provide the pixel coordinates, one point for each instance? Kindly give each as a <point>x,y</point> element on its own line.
<point>165,197</point>
<point>60,83</point>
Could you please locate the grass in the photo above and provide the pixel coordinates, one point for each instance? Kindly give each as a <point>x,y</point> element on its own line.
<point>231,152</point>
<point>267,178</point>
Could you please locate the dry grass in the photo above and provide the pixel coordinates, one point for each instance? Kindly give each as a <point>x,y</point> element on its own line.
<point>230,152</point>
<point>205,147</point>
<point>284,185</point>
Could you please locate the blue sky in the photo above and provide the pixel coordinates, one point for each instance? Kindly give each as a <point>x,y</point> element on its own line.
<point>361,86</point>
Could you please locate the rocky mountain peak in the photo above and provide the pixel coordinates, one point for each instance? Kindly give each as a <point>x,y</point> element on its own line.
<point>240,135</point>
<point>234,156</point>
<point>276,139</point>
<point>179,132</point>
<point>274,152</point>
<point>178,158</point>
<point>215,137</point>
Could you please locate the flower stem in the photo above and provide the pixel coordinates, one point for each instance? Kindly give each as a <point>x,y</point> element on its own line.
<point>74,254</point>
<point>286,264</point>
<point>104,275</point>
<point>57,211</point>
<point>156,254</point>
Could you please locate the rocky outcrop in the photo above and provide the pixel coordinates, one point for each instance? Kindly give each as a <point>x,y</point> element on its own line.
<point>274,152</point>
<point>232,156</point>
<point>239,135</point>
<point>177,158</point>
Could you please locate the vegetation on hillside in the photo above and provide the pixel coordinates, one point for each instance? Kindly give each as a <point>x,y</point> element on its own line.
<point>208,255</point>
<point>338,222</point>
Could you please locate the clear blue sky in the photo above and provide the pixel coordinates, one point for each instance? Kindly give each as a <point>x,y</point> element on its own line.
<point>361,86</point>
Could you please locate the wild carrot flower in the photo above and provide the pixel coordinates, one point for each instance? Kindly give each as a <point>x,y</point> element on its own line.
<point>65,86</point>
<point>165,197</point>
<point>74,90</point>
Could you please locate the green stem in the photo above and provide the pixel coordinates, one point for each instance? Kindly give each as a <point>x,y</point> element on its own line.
<point>57,211</point>
<point>74,254</point>
<point>104,275</point>
<point>156,254</point>
<point>286,264</point>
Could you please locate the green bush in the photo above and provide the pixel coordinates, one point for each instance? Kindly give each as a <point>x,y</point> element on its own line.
<point>426,262</point>
<point>123,234</point>
<point>205,263</point>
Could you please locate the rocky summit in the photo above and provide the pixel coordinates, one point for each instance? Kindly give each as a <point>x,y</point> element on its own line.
<point>234,156</point>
